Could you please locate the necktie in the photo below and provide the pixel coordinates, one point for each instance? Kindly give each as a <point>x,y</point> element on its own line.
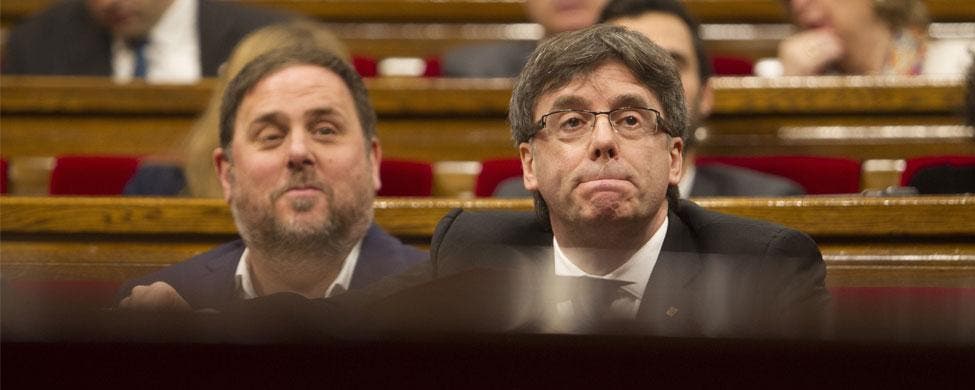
<point>138,47</point>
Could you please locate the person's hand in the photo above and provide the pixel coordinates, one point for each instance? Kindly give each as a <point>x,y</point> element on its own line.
<point>156,296</point>
<point>810,52</point>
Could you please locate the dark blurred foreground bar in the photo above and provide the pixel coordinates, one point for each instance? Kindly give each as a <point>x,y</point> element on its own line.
<point>489,361</point>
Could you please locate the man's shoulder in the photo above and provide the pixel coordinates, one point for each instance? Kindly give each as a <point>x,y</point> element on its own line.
<point>195,274</point>
<point>726,180</point>
<point>488,238</point>
<point>57,21</point>
<point>733,234</point>
<point>511,227</point>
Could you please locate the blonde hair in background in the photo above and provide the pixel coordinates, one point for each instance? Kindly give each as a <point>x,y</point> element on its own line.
<point>900,14</point>
<point>197,148</point>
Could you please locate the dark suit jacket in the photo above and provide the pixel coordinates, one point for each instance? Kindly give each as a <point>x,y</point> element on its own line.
<point>65,40</point>
<point>726,180</point>
<point>207,280</point>
<point>717,275</point>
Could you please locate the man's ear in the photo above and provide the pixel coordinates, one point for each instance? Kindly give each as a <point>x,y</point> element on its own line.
<point>221,161</point>
<point>676,160</point>
<point>706,101</point>
<point>376,158</point>
<point>527,166</point>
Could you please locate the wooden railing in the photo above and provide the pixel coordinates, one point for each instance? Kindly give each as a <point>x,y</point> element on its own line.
<point>444,119</point>
<point>465,119</point>
<point>910,241</point>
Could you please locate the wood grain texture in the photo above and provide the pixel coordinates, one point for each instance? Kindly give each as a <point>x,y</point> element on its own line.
<point>413,97</point>
<point>441,119</point>
<point>827,216</point>
<point>916,241</point>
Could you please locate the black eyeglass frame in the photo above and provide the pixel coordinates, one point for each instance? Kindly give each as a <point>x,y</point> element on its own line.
<point>540,125</point>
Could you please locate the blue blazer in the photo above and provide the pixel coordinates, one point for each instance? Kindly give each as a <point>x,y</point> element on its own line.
<point>207,280</point>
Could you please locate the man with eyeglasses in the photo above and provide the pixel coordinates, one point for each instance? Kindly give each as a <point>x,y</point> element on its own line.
<point>599,119</point>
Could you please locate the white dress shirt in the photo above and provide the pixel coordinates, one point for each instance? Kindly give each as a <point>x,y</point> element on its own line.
<point>636,271</point>
<point>172,49</point>
<point>245,281</point>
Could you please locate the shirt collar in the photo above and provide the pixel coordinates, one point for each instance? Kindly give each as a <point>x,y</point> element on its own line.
<point>635,270</point>
<point>176,25</point>
<point>245,284</point>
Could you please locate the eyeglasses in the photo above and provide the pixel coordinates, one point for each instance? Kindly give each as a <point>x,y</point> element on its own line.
<point>629,122</point>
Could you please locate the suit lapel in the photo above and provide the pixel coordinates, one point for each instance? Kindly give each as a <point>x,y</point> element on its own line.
<point>376,259</point>
<point>668,302</point>
<point>218,283</point>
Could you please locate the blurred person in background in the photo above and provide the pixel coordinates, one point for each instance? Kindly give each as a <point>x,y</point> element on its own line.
<point>165,41</point>
<point>193,174</point>
<point>864,37</point>
<point>505,59</point>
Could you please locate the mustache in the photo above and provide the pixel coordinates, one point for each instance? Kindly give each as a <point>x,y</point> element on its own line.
<point>303,179</point>
<point>609,171</point>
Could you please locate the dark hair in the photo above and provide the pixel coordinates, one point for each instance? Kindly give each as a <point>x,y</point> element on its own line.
<point>618,9</point>
<point>278,59</point>
<point>559,60</point>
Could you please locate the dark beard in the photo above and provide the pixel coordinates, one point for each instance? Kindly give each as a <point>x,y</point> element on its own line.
<point>289,247</point>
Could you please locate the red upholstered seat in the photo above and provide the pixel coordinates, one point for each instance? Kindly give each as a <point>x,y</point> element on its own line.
<point>918,163</point>
<point>817,175</point>
<point>405,178</point>
<point>493,172</point>
<point>3,176</point>
<point>732,66</point>
<point>92,175</point>
<point>366,66</point>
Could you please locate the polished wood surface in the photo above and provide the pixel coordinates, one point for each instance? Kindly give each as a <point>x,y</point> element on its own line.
<point>464,119</point>
<point>484,11</point>
<point>922,241</point>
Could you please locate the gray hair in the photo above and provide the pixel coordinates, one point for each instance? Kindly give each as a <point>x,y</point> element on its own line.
<point>277,59</point>
<point>561,59</point>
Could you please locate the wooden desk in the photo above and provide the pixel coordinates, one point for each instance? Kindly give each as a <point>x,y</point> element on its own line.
<point>464,119</point>
<point>911,241</point>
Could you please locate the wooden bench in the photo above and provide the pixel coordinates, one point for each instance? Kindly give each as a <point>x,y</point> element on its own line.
<point>464,120</point>
<point>866,242</point>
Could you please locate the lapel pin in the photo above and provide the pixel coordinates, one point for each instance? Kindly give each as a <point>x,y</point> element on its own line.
<point>672,311</point>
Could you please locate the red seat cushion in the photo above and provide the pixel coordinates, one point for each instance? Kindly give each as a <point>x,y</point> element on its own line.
<point>92,175</point>
<point>3,176</point>
<point>493,172</point>
<point>405,178</point>
<point>817,175</point>
<point>916,164</point>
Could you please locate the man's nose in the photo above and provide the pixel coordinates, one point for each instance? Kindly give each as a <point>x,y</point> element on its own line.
<point>299,154</point>
<point>603,143</point>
